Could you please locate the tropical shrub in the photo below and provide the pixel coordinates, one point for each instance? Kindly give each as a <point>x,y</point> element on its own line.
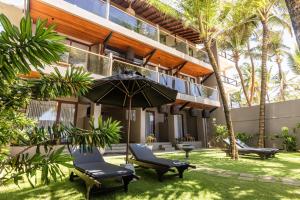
<point>221,132</point>
<point>244,137</point>
<point>20,50</point>
<point>288,140</point>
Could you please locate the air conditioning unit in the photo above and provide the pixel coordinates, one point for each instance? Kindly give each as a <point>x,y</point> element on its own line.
<point>205,114</point>
<point>195,112</point>
<point>163,109</point>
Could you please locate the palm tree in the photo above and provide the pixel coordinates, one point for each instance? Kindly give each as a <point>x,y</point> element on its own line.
<point>278,49</point>
<point>251,77</point>
<point>294,10</point>
<point>235,41</point>
<point>264,10</point>
<point>249,53</point>
<point>294,61</point>
<point>211,18</point>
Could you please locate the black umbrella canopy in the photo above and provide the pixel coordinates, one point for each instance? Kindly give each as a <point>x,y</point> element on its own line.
<point>130,89</point>
<point>116,90</point>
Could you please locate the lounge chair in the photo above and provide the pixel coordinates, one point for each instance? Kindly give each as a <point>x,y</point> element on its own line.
<point>91,167</point>
<point>262,153</point>
<point>144,157</point>
<point>244,145</point>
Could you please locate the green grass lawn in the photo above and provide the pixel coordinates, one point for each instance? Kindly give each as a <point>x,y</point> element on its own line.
<point>195,185</point>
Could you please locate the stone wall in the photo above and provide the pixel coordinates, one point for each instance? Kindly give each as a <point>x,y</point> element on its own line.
<point>278,115</point>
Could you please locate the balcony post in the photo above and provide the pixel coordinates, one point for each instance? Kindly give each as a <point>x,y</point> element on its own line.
<point>107,9</point>
<point>158,33</point>
<point>187,47</point>
<point>157,74</point>
<point>110,63</point>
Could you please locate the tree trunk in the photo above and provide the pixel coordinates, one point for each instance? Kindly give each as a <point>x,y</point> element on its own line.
<point>252,74</point>
<point>213,62</point>
<point>236,62</point>
<point>281,80</point>
<point>263,90</point>
<point>294,10</point>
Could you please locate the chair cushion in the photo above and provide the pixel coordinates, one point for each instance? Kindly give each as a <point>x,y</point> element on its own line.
<point>144,154</point>
<point>141,152</point>
<point>166,162</point>
<point>102,170</point>
<point>86,156</point>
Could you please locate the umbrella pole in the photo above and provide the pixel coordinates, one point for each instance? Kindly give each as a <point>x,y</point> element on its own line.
<point>128,129</point>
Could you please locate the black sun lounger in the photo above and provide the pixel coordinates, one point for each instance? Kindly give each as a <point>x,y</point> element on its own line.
<point>244,145</point>
<point>144,157</point>
<point>91,167</point>
<point>262,153</point>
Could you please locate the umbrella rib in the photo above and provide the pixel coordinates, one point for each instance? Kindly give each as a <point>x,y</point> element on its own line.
<point>115,86</point>
<point>162,93</point>
<point>124,100</point>
<point>140,89</point>
<point>156,90</point>
<point>126,91</point>
<point>147,99</point>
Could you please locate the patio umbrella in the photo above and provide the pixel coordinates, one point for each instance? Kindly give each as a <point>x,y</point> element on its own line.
<point>130,89</point>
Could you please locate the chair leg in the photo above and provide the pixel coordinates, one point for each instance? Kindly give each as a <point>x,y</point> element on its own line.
<point>71,178</point>
<point>160,173</point>
<point>126,181</point>
<point>180,171</point>
<point>88,191</point>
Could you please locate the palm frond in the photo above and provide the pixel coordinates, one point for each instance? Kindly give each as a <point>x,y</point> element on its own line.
<point>22,47</point>
<point>75,82</point>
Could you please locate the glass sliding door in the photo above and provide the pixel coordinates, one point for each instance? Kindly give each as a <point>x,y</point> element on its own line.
<point>48,113</point>
<point>67,113</point>
<point>150,123</point>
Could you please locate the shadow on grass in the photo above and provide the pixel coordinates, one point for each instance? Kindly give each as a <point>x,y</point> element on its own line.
<point>283,165</point>
<point>195,185</point>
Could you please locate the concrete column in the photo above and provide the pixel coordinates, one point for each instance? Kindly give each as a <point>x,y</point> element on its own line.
<point>95,112</point>
<point>138,127</point>
<point>172,127</point>
<point>200,131</point>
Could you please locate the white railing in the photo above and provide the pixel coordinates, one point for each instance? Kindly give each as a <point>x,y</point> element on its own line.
<point>106,66</point>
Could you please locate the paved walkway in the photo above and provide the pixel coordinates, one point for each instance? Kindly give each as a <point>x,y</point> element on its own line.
<point>248,177</point>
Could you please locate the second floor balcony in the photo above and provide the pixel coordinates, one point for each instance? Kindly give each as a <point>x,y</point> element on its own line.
<point>138,25</point>
<point>99,22</point>
<point>102,66</point>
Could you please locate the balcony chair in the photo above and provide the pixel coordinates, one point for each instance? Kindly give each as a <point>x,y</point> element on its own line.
<point>144,157</point>
<point>91,167</point>
<point>263,153</point>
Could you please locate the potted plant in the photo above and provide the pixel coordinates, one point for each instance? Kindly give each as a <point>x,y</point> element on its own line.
<point>150,140</point>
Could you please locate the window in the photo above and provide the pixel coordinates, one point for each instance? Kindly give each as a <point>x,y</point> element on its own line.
<point>47,113</point>
<point>150,123</point>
